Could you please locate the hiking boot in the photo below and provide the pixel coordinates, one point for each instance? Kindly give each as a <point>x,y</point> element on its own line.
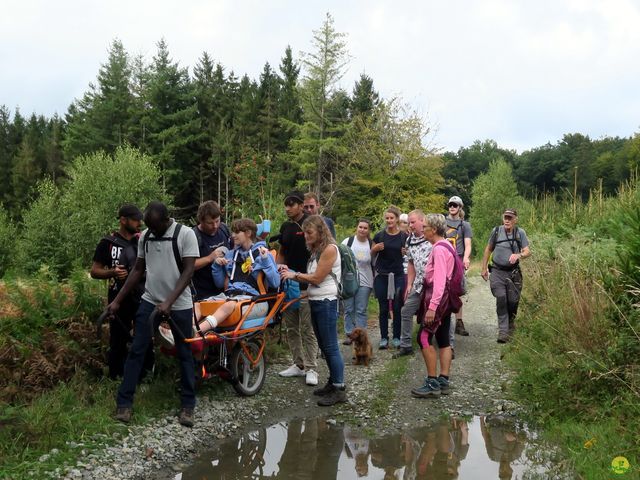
<point>186,417</point>
<point>338,395</point>
<point>293,371</point>
<point>311,378</point>
<point>326,390</point>
<point>431,388</point>
<point>503,338</point>
<point>445,385</point>
<point>460,330</point>
<point>384,344</point>
<point>403,352</point>
<point>123,414</point>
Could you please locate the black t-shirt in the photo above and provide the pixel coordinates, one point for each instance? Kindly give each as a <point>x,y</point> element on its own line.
<point>389,260</point>
<point>116,250</point>
<point>293,246</point>
<point>203,278</point>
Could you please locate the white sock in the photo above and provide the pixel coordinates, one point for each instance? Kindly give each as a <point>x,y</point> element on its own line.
<point>212,321</point>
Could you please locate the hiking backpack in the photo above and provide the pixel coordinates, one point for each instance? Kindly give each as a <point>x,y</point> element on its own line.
<point>350,278</point>
<point>459,233</point>
<point>174,245</point>
<point>457,284</point>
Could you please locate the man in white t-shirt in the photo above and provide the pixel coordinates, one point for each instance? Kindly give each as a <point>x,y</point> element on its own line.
<point>355,308</point>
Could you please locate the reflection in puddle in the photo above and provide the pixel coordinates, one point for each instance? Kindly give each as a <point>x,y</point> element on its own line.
<point>484,447</point>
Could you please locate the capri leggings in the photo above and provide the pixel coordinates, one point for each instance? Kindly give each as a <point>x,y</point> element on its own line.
<point>425,337</point>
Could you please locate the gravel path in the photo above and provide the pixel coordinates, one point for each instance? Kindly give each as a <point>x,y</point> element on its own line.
<point>163,447</point>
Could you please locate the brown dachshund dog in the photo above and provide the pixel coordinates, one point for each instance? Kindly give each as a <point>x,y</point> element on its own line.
<point>362,351</point>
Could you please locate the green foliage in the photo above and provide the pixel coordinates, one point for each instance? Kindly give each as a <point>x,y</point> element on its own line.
<point>8,235</point>
<point>62,227</point>
<point>492,192</point>
<point>576,349</point>
<point>389,146</point>
<point>37,303</point>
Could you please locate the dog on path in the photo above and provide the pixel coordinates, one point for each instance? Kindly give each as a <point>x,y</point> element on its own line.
<point>362,351</point>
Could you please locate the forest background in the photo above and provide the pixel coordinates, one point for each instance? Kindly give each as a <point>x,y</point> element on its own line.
<point>211,134</point>
<point>150,129</point>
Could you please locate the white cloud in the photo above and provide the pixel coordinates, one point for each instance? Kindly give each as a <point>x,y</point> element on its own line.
<point>522,73</point>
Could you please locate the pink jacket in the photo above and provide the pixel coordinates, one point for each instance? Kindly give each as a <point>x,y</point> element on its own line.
<point>439,269</point>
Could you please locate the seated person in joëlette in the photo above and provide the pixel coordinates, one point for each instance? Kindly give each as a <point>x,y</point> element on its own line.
<point>240,267</point>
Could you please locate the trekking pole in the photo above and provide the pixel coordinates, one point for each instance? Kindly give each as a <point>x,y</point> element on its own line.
<point>152,322</point>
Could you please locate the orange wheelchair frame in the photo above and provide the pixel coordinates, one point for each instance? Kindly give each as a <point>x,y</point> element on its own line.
<point>234,350</point>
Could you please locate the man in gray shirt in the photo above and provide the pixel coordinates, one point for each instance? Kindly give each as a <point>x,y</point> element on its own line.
<point>459,234</point>
<point>167,251</point>
<point>509,244</point>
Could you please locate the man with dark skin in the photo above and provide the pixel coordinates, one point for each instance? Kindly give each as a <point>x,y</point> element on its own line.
<point>165,292</point>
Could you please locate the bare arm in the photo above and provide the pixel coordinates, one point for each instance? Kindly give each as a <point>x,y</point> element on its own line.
<point>484,272</point>
<point>101,272</point>
<point>466,259</point>
<point>327,258</point>
<point>130,284</point>
<point>188,266</point>
<point>209,259</point>
<point>411,276</point>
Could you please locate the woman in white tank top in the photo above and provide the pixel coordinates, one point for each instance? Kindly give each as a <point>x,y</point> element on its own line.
<point>323,275</point>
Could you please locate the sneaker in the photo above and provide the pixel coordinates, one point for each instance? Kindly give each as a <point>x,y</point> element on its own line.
<point>326,390</point>
<point>293,371</point>
<point>311,378</point>
<point>403,352</point>
<point>166,335</point>
<point>348,341</point>
<point>186,417</point>
<point>395,343</point>
<point>460,330</point>
<point>338,395</point>
<point>445,385</point>
<point>431,388</point>
<point>384,344</point>
<point>123,414</point>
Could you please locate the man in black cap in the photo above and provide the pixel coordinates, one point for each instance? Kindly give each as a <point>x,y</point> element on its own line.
<point>113,259</point>
<point>294,254</point>
<point>509,244</point>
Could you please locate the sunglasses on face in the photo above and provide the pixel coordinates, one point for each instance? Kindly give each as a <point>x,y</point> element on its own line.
<point>454,205</point>
<point>508,217</point>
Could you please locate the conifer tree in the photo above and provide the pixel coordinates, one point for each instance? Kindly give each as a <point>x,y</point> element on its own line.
<point>324,67</point>
<point>173,127</point>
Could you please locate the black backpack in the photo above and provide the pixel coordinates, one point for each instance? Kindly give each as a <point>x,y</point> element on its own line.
<point>174,244</point>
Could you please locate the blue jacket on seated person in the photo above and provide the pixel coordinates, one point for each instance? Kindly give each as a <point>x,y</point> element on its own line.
<point>243,267</point>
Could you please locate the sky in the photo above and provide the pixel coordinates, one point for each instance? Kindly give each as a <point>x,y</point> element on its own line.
<point>522,73</point>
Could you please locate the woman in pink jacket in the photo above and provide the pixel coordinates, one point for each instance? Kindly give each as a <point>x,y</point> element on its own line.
<point>436,309</point>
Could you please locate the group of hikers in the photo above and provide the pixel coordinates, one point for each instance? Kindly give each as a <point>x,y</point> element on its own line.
<point>414,266</point>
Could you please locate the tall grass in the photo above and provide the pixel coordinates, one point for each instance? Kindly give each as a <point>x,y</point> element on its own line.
<point>577,351</point>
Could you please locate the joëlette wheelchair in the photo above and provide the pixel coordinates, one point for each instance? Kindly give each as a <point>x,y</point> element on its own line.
<point>234,350</point>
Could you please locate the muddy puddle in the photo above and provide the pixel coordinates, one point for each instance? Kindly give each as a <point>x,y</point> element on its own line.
<point>490,447</point>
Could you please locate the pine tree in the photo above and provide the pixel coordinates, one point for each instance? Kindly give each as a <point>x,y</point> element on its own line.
<point>102,119</point>
<point>364,98</point>
<point>324,67</point>
<point>173,127</point>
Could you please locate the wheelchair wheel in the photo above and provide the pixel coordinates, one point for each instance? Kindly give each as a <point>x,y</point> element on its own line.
<point>248,379</point>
